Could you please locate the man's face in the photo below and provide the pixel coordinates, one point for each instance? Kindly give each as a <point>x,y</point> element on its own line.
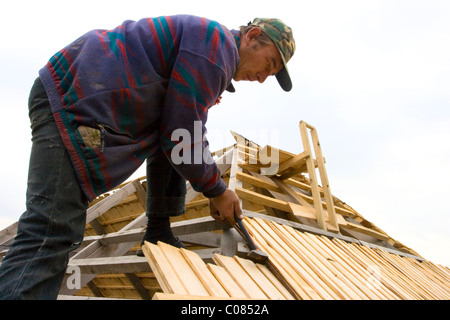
<point>257,61</point>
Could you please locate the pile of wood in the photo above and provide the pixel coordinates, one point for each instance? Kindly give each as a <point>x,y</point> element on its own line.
<point>183,273</point>
<point>319,247</point>
<point>298,189</point>
<point>301,266</point>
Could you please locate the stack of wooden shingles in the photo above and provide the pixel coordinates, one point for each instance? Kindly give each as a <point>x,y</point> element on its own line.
<point>300,266</point>
<point>183,274</point>
<point>316,267</point>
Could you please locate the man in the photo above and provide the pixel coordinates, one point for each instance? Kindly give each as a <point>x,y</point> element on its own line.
<point>113,99</point>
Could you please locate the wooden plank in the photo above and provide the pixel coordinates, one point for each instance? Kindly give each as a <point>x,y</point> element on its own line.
<point>357,267</point>
<point>319,267</point>
<point>277,185</point>
<point>294,283</point>
<point>428,278</point>
<point>165,274</point>
<point>260,279</point>
<point>8,233</point>
<point>366,266</point>
<point>263,200</point>
<point>239,275</point>
<point>352,269</point>
<point>293,194</point>
<point>265,186</point>
<point>299,263</point>
<point>97,226</point>
<point>443,271</point>
<point>272,211</point>
<point>123,264</point>
<point>258,180</point>
<point>306,187</point>
<point>234,182</point>
<point>366,231</point>
<point>283,156</point>
<point>308,212</point>
<point>413,277</point>
<point>297,161</point>
<point>368,263</point>
<point>229,242</point>
<point>183,270</point>
<point>110,201</point>
<point>389,272</point>
<point>337,269</point>
<point>141,193</point>
<point>211,284</point>
<point>94,289</point>
<point>312,176</point>
<point>275,281</point>
<point>231,287</point>
<point>290,262</point>
<point>137,284</point>
<point>437,274</point>
<point>196,225</point>
<point>324,178</point>
<point>165,286</point>
<point>170,296</point>
<point>412,283</point>
<point>66,297</point>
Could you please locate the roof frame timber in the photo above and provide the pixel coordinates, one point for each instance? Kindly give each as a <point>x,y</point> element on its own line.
<point>285,197</point>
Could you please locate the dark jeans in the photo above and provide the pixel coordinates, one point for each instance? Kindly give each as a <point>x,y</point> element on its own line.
<point>55,217</point>
<point>166,189</point>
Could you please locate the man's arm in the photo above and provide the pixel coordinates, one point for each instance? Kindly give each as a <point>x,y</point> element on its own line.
<point>193,88</point>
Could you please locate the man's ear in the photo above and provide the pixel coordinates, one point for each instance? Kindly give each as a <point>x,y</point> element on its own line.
<point>252,34</point>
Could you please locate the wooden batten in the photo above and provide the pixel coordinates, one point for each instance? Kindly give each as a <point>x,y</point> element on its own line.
<point>319,247</point>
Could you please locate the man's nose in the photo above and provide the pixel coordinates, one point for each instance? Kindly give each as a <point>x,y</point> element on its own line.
<point>262,76</point>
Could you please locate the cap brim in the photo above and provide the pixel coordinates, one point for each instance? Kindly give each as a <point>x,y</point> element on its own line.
<point>284,79</point>
<point>231,88</point>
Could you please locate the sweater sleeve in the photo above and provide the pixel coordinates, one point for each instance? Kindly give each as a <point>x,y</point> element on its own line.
<point>194,86</point>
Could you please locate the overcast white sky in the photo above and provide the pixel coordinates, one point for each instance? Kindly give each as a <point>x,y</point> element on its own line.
<point>372,76</point>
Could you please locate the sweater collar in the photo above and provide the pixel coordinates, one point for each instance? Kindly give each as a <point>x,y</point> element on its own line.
<point>237,37</point>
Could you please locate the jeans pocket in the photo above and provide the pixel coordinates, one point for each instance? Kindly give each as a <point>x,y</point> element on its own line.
<point>92,137</point>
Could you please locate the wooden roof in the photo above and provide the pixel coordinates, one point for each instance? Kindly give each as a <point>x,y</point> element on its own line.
<point>301,266</point>
<point>318,246</point>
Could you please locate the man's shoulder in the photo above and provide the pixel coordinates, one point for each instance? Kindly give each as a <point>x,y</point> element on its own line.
<point>194,21</point>
<point>202,27</point>
<point>208,38</point>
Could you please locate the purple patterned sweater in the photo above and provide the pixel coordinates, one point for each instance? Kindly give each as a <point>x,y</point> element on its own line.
<point>119,94</point>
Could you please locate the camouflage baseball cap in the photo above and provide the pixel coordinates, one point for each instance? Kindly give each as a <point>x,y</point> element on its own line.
<point>282,36</point>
